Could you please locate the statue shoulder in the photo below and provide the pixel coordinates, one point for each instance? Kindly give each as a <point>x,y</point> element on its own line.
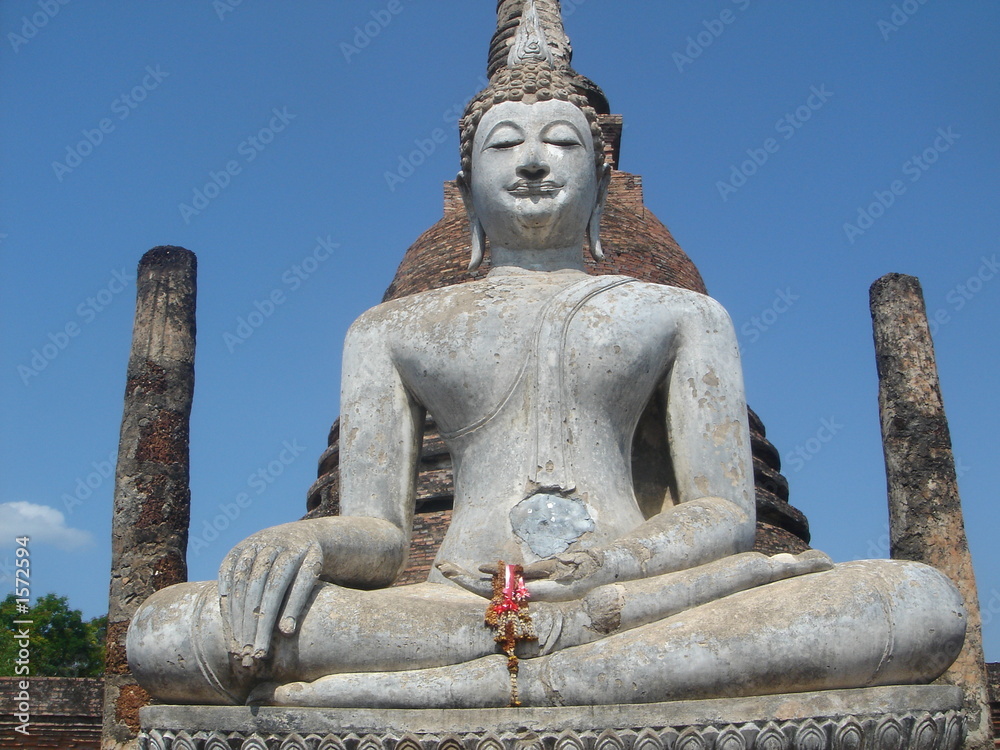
<point>398,317</point>
<point>685,305</point>
<point>371,326</point>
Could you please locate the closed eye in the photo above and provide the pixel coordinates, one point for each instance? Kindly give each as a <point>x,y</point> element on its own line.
<point>563,142</point>
<point>562,134</point>
<point>501,143</point>
<point>505,135</point>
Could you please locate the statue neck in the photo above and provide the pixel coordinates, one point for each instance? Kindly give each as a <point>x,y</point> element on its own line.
<point>549,259</point>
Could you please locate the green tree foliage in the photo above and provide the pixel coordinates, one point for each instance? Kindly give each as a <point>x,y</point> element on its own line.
<point>62,644</point>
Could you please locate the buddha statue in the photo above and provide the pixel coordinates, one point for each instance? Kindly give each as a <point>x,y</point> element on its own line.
<point>537,376</point>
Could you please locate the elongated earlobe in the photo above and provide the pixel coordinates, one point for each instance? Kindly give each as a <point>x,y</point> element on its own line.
<point>594,226</point>
<point>478,234</point>
<point>478,242</point>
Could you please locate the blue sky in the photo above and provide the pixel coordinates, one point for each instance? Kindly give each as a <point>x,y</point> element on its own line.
<point>761,129</point>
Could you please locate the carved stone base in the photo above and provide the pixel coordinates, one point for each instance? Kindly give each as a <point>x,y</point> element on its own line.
<point>886,718</point>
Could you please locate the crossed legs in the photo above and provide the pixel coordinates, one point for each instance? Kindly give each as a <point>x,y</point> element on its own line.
<point>728,628</point>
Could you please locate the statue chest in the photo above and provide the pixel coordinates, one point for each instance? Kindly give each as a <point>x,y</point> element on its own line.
<point>545,392</point>
<point>464,369</point>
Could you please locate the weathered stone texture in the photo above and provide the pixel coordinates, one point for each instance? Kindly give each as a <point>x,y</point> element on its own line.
<point>509,13</point>
<point>901,718</point>
<point>152,496</point>
<point>925,512</point>
<point>68,710</point>
<point>780,526</point>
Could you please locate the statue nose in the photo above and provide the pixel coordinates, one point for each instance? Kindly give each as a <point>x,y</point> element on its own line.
<point>533,170</point>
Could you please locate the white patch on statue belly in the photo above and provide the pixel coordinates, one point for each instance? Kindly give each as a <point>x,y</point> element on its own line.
<point>549,524</point>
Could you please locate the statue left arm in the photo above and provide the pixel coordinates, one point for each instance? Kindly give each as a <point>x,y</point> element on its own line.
<point>706,422</point>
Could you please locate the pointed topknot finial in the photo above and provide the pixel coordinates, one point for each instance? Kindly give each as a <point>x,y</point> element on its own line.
<point>529,30</point>
<point>532,31</point>
<point>530,42</point>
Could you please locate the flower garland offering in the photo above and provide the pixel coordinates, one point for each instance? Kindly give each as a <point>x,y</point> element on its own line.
<point>507,614</point>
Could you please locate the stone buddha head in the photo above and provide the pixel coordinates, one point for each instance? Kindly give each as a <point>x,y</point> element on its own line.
<point>533,177</point>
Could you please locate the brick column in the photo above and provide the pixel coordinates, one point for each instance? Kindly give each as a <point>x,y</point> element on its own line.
<point>925,511</point>
<point>152,498</point>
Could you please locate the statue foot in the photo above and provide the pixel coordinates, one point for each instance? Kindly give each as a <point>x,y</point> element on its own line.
<point>263,694</point>
<point>482,683</point>
<point>786,565</point>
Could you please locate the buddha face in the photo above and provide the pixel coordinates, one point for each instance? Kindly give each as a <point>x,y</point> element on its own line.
<point>534,182</point>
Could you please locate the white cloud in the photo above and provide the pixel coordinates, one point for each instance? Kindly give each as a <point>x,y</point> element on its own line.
<point>44,525</point>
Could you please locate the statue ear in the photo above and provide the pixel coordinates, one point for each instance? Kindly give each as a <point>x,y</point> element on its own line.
<point>594,227</point>
<point>475,226</point>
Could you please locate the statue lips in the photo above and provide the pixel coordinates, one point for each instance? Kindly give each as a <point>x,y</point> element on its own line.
<point>534,188</point>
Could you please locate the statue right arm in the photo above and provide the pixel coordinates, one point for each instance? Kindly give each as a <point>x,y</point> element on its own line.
<point>267,578</point>
<point>381,432</point>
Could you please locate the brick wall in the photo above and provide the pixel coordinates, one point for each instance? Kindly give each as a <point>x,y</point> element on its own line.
<point>428,533</point>
<point>65,713</point>
<point>993,678</point>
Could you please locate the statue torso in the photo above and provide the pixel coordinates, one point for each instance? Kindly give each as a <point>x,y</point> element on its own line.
<point>536,381</point>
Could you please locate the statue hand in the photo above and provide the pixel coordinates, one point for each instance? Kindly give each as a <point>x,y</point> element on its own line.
<point>566,576</point>
<point>560,578</point>
<point>477,584</point>
<point>271,572</point>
